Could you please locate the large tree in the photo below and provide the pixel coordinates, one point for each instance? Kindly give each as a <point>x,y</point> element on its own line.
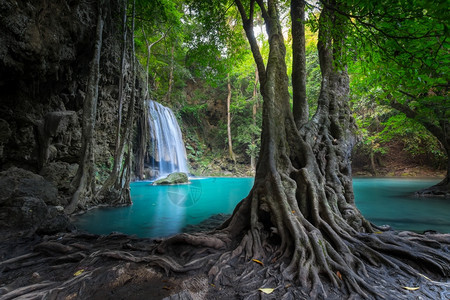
<point>300,221</point>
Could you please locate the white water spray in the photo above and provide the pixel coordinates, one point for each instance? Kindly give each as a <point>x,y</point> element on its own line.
<point>167,147</point>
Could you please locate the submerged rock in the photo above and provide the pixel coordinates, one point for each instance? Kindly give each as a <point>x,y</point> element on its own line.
<point>174,178</point>
<point>207,225</point>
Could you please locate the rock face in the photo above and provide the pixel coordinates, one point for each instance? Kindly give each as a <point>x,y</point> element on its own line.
<point>174,178</point>
<point>29,202</point>
<point>45,52</point>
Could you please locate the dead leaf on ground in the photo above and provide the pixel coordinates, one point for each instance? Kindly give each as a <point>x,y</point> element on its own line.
<point>79,272</point>
<point>339,275</point>
<point>410,288</point>
<point>258,262</point>
<point>266,290</point>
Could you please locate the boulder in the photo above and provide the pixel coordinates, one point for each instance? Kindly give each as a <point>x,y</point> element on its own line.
<point>29,203</point>
<point>174,178</point>
<point>16,182</point>
<point>60,174</point>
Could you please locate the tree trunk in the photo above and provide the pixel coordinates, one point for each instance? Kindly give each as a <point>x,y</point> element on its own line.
<point>142,140</point>
<point>254,111</point>
<point>230,143</point>
<point>149,53</point>
<point>118,153</point>
<point>172,66</point>
<point>117,159</point>
<point>84,181</point>
<point>373,167</point>
<point>300,104</point>
<point>113,184</point>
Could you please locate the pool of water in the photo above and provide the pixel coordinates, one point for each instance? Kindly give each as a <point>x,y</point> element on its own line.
<point>159,211</point>
<point>389,201</point>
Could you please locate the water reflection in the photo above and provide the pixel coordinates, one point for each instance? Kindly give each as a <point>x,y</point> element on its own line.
<point>185,195</point>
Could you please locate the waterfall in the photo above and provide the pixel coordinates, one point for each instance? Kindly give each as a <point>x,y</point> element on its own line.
<point>166,143</point>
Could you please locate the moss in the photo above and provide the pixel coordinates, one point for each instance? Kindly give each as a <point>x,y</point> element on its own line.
<point>174,178</point>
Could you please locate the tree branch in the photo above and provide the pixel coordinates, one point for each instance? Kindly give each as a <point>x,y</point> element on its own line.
<point>248,27</point>
<point>434,130</point>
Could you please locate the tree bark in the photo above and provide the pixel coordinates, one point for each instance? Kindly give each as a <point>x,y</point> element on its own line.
<point>84,181</point>
<point>114,183</point>
<point>149,53</point>
<point>172,66</point>
<point>300,104</point>
<point>230,143</point>
<point>121,83</point>
<point>254,111</point>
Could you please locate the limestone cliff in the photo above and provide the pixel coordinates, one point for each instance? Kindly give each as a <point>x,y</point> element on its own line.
<point>45,51</point>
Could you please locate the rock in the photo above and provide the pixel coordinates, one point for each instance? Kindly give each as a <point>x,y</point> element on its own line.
<point>174,178</point>
<point>54,222</point>
<point>24,212</point>
<point>5,133</point>
<point>183,295</point>
<point>60,174</point>
<point>16,182</point>
<point>27,203</point>
<point>206,225</point>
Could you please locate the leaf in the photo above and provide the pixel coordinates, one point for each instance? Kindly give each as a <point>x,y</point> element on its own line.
<point>258,261</point>
<point>266,290</point>
<point>79,272</point>
<point>378,232</point>
<point>410,288</point>
<point>339,275</point>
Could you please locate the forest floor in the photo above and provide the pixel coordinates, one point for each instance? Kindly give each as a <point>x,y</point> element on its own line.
<point>391,167</point>
<point>117,266</point>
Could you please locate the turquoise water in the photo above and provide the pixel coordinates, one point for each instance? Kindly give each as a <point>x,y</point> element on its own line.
<point>164,210</point>
<point>159,211</point>
<point>389,201</point>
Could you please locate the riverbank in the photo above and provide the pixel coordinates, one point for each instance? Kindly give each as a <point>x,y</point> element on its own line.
<point>223,168</point>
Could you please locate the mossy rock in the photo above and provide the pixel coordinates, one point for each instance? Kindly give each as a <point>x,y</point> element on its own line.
<point>174,178</point>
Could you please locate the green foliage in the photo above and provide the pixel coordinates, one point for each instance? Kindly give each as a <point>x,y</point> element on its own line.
<point>313,79</point>
<point>194,113</point>
<point>395,51</point>
<point>401,60</point>
<point>417,140</point>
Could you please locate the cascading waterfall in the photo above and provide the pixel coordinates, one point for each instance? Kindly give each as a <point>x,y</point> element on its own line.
<point>167,148</point>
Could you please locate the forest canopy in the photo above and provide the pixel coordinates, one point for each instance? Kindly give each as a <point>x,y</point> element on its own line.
<point>396,53</point>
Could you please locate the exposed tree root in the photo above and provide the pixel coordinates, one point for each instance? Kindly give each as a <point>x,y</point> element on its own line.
<point>369,265</point>
<point>442,189</point>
